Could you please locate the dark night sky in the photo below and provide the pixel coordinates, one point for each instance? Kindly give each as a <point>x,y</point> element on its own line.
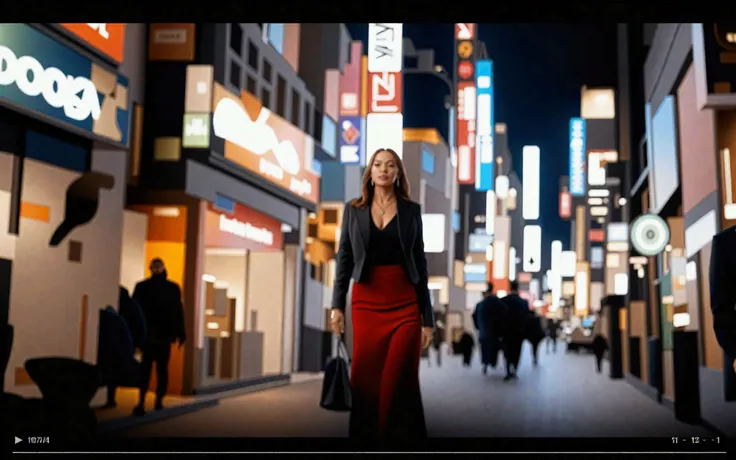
<point>539,70</point>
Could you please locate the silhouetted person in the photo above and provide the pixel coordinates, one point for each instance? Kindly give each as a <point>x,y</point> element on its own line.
<point>131,313</point>
<point>723,303</point>
<point>82,199</point>
<point>600,344</point>
<point>160,300</point>
<point>553,328</point>
<point>517,310</point>
<point>466,345</point>
<point>534,333</point>
<point>437,344</point>
<point>488,318</point>
<point>115,360</point>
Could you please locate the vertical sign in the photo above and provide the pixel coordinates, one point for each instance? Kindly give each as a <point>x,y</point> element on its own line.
<point>485,124</point>
<point>577,157</point>
<point>350,123</point>
<point>565,205</point>
<point>530,182</point>
<point>465,41</point>
<point>385,121</point>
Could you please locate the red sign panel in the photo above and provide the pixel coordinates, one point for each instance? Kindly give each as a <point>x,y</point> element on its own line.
<point>384,92</point>
<point>465,70</point>
<point>596,236</point>
<point>464,31</point>
<point>466,133</point>
<point>242,229</point>
<point>565,205</point>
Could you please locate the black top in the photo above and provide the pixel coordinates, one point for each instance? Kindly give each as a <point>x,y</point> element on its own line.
<point>385,247</point>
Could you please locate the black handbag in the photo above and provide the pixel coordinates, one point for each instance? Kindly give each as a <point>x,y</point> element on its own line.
<point>336,392</point>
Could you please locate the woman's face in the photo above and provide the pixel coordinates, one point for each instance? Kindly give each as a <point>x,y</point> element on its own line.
<point>384,170</point>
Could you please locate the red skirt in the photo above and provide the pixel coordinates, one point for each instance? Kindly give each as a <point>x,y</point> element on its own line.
<point>387,332</point>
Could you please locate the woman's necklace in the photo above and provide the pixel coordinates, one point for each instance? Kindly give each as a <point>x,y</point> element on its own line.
<point>381,209</point>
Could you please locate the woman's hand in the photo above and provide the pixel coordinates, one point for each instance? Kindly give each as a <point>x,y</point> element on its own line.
<point>427,335</point>
<point>337,321</point>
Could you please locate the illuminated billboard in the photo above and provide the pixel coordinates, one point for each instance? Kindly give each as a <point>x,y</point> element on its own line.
<point>349,125</point>
<point>490,211</point>
<point>484,125</point>
<point>530,182</point>
<point>565,205</point>
<point>577,157</point>
<point>532,248</point>
<point>384,122</point>
<point>434,232</point>
<point>465,44</point>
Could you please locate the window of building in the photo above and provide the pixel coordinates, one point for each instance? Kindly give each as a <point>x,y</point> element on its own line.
<point>250,84</point>
<point>236,38</point>
<point>296,105</point>
<point>428,162</point>
<point>281,96</point>
<point>307,118</point>
<point>317,131</point>
<point>330,217</point>
<point>252,56</point>
<point>235,74</point>
<point>266,97</point>
<point>267,71</point>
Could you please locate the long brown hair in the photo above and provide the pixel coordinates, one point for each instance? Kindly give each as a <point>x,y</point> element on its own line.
<point>401,187</point>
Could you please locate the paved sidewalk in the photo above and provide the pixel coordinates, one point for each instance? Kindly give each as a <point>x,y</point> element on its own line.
<point>562,397</point>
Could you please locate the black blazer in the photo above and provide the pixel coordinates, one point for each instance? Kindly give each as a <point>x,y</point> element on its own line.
<point>354,240</point>
<point>723,289</point>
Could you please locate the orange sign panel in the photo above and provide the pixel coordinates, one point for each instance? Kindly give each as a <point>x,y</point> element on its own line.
<point>264,143</point>
<point>104,37</point>
<point>242,229</point>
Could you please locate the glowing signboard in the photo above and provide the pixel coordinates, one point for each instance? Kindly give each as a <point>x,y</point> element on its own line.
<point>577,157</point>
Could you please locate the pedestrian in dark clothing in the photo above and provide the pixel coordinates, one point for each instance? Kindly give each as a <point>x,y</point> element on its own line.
<point>131,313</point>
<point>160,300</point>
<point>553,328</point>
<point>600,344</point>
<point>517,311</point>
<point>466,346</point>
<point>488,319</point>
<point>534,333</point>
<point>115,354</point>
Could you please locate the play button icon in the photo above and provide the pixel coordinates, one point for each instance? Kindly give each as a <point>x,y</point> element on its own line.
<point>17,440</point>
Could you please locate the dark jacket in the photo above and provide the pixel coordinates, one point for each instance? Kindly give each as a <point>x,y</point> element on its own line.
<point>160,300</point>
<point>723,289</point>
<point>352,253</point>
<point>533,328</point>
<point>115,349</point>
<point>133,316</point>
<point>517,311</point>
<point>488,317</point>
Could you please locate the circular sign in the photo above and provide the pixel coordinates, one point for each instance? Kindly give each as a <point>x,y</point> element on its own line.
<point>649,234</point>
<point>464,50</point>
<point>465,70</point>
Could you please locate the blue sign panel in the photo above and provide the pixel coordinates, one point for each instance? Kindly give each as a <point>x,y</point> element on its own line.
<point>428,162</point>
<point>577,157</point>
<point>484,125</point>
<point>351,136</point>
<point>41,75</point>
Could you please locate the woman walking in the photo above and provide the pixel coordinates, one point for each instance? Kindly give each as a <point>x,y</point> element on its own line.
<point>382,249</point>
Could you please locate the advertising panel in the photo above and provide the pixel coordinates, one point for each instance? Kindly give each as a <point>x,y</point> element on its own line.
<point>664,154</point>
<point>385,47</point>
<point>351,138</point>
<point>434,232</point>
<point>350,132</point>
<point>577,157</point>
<point>385,122</point>
<point>532,248</point>
<point>265,143</point>
<point>109,39</point>
<point>243,228</point>
<point>40,75</point>
<point>168,41</point>
<point>465,45</point>
<point>530,182</point>
<point>565,205</point>
<point>485,126</point>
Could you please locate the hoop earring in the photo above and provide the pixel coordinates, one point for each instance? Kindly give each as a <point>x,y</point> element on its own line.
<point>396,182</point>
<point>372,184</point>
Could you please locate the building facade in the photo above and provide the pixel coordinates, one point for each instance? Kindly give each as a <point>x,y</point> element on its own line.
<point>224,184</point>
<point>63,161</point>
<point>679,170</point>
